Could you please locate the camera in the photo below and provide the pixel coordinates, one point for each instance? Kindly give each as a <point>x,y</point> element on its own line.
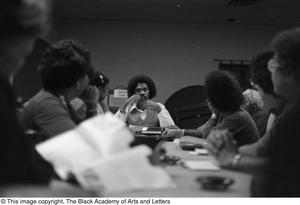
<point>98,79</point>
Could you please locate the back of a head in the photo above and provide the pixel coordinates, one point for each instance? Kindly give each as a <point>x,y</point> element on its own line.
<point>284,147</point>
<point>21,21</point>
<point>253,101</point>
<point>141,79</point>
<point>260,74</point>
<point>286,45</point>
<point>223,91</point>
<point>23,18</point>
<point>63,64</point>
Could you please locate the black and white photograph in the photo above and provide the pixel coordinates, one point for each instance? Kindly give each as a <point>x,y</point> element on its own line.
<point>158,102</point>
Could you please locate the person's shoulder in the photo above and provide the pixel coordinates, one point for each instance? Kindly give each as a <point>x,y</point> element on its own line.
<point>243,113</point>
<point>43,100</point>
<point>239,115</point>
<point>41,96</point>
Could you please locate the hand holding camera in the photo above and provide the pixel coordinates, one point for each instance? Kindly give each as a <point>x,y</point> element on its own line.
<point>90,97</point>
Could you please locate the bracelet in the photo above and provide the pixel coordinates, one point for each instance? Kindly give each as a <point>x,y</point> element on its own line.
<point>235,160</point>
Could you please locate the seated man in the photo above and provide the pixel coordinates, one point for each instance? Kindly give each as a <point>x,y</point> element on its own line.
<point>63,71</point>
<point>139,109</point>
<point>224,100</point>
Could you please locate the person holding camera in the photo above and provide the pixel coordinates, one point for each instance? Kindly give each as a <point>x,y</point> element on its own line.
<point>63,70</point>
<point>99,80</point>
<point>139,109</point>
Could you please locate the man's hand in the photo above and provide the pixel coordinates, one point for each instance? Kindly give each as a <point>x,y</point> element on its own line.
<point>90,97</point>
<point>220,143</point>
<point>151,105</point>
<point>129,102</point>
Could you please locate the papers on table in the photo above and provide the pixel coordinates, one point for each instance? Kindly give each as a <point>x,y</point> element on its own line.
<point>93,139</point>
<point>123,170</point>
<point>97,152</point>
<point>198,151</point>
<point>201,165</point>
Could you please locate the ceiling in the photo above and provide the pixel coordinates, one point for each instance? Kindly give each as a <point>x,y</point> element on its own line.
<point>268,12</point>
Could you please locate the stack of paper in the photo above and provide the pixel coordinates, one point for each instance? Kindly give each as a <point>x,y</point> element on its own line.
<point>201,165</point>
<point>198,151</point>
<point>98,153</point>
<point>123,171</point>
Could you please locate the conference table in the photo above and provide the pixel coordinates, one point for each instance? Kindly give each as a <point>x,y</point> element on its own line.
<point>185,179</point>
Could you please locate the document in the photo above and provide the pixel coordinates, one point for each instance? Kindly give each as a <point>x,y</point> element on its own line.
<point>201,165</point>
<point>125,171</point>
<point>97,152</point>
<point>198,151</point>
<point>93,139</point>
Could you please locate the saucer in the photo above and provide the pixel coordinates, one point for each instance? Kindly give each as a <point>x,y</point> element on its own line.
<point>218,183</point>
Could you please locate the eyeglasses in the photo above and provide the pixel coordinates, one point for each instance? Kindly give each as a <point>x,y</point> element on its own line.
<point>139,90</point>
<point>273,65</point>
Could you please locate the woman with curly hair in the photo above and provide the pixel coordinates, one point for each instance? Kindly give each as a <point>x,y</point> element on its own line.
<point>253,104</point>
<point>63,70</point>
<point>224,98</point>
<point>139,109</point>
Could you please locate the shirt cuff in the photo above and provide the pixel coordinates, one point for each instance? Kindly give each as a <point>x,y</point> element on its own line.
<point>165,119</point>
<point>120,115</point>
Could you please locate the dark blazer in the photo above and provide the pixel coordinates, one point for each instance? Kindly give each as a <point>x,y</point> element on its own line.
<point>20,163</point>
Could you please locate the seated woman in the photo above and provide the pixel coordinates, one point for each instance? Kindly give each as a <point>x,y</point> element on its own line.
<point>101,82</point>
<point>63,71</point>
<point>140,110</point>
<point>253,105</point>
<point>280,169</point>
<point>253,158</point>
<point>273,104</point>
<point>224,100</point>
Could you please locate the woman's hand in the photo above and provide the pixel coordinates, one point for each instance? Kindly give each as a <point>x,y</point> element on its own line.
<point>220,143</point>
<point>172,133</point>
<point>90,97</point>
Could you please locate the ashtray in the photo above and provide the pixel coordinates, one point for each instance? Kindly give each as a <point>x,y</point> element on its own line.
<point>217,183</point>
<point>169,160</point>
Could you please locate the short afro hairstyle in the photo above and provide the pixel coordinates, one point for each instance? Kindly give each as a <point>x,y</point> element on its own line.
<point>260,73</point>
<point>223,91</point>
<point>141,79</point>
<point>63,64</point>
<point>286,45</point>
